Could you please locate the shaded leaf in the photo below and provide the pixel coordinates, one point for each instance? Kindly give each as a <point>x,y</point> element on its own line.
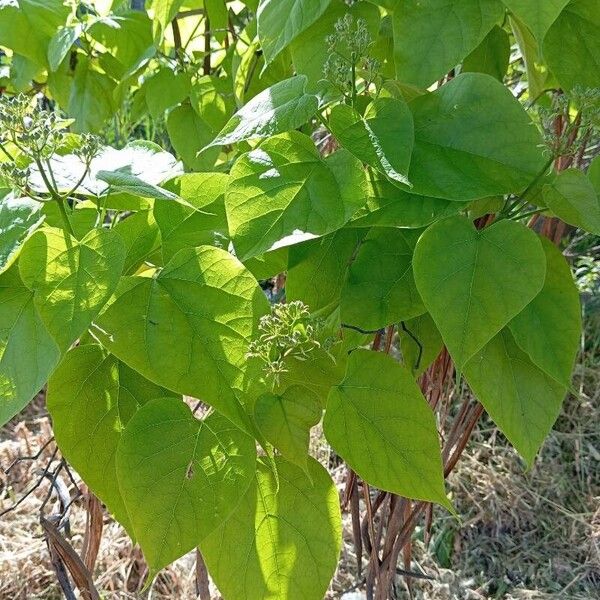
<point>455,157</point>
<point>572,197</point>
<point>572,45</point>
<point>433,36</point>
<point>548,329</point>
<point>19,218</point>
<point>20,323</point>
<point>522,400</point>
<point>280,21</point>
<point>491,56</point>
<point>538,15</point>
<point>380,288</point>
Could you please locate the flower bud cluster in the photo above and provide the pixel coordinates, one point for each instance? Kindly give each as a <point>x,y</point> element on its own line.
<point>348,50</point>
<point>288,332</point>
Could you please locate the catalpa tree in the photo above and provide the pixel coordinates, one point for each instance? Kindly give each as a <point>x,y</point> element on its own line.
<point>358,203</point>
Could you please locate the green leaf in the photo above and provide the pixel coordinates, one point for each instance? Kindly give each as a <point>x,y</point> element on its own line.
<point>61,44</point>
<point>380,288</point>
<point>91,397</point>
<point>180,478</point>
<point>538,15</point>
<point>143,162</point>
<point>433,36</point>
<point>282,107</point>
<point>572,45</point>
<point>121,180</point>
<point>190,134</point>
<point>26,26</point>
<point>455,157</point>
<point>474,282</point>
<point>201,221</point>
<point>127,38</point>
<point>286,420</point>
<point>521,399</point>
<point>283,192</point>
<point>492,56</point>
<point>163,12</point>
<point>216,11</point>
<point>548,329</point>
<point>23,335</point>
<point>317,269</point>
<point>572,197</point>
<point>383,138</point>
<point>594,174</point>
<point>378,421</point>
<point>19,218</point>
<point>417,357</point>
<point>207,301</point>
<point>281,21</point>
<point>283,541</point>
<point>71,280</point>
<point>166,89</point>
<point>91,102</point>
<point>389,206</point>
<point>310,49</point>
<point>539,77</point>
<point>141,237</point>
<point>319,373</point>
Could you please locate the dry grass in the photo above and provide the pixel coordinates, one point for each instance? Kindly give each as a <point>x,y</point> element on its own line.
<point>523,535</point>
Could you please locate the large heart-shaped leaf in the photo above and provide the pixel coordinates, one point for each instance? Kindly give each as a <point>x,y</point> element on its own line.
<point>286,420</point>
<point>572,197</point>
<point>71,280</point>
<point>28,354</point>
<point>383,137</point>
<point>284,539</point>
<point>207,301</point>
<point>473,140</point>
<point>433,36</point>
<point>548,329</point>
<point>19,218</point>
<point>180,478</point>
<point>378,421</point>
<point>282,107</point>
<point>523,400</point>
<point>474,282</point>
<point>91,397</point>
<point>380,288</point>
<point>283,191</point>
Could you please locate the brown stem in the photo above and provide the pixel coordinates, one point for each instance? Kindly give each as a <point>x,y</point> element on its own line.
<point>202,582</point>
<point>206,63</point>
